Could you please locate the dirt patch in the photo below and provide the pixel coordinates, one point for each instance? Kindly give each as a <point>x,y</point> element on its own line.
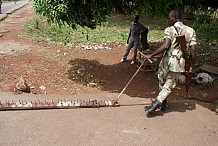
<point>12,48</point>
<point>57,69</point>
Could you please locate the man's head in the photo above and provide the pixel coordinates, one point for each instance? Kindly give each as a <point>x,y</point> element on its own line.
<point>136,20</point>
<point>174,16</point>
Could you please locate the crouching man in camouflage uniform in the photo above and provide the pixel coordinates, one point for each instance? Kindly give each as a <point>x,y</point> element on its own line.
<point>172,63</point>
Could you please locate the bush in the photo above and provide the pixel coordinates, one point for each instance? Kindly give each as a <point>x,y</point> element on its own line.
<point>206,27</point>
<point>204,21</point>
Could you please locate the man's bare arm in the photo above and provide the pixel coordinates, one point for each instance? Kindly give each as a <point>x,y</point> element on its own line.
<point>166,44</point>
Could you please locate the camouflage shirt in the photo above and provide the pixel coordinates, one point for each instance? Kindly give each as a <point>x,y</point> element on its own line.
<point>173,56</point>
<point>173,60</point>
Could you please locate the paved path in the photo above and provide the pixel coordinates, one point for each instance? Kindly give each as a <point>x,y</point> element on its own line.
<point>10,7</point>
<point>188,123</point>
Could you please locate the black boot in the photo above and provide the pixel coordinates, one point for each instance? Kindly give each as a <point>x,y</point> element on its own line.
<point>154,105</point>
<point>164,105</point>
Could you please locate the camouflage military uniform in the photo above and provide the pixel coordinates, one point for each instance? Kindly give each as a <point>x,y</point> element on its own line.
<point>173,63</point>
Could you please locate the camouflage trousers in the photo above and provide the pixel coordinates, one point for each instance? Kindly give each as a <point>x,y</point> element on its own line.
<point>167,86</point>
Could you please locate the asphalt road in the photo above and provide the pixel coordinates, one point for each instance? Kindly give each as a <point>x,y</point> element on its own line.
<point>187,123</point>
<point>8,7</point>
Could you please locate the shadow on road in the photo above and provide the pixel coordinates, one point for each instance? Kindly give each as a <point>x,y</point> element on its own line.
<point>175,107</point>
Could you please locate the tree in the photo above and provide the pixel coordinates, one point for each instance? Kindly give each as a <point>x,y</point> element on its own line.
<point>92,12</point>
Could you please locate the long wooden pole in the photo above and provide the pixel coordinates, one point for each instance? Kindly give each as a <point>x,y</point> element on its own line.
<point>116,100</point>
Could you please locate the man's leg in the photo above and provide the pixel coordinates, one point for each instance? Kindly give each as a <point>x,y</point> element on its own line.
<point>169,84</point>
<point>130,45</point>
<point>164,105</point>
<point>136,46</point>
<point>165,91</point>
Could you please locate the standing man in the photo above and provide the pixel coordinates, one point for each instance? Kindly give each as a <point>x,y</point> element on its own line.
<point>173,62</point>
<point>136,29</point>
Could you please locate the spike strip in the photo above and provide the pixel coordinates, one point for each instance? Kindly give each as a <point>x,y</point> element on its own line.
<point>60,104</point>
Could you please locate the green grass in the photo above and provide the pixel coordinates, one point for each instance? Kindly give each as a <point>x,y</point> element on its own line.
<point>116,29</point>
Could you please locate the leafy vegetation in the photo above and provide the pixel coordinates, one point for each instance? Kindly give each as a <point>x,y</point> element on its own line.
<point>206,25</point>
<point>90,13</point>
<point>116,29</point>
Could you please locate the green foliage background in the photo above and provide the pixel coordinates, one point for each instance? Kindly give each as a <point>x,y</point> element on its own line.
<point>92,12</point>
<point>115,29</point>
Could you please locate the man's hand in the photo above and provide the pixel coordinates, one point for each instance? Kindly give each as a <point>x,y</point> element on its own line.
<point>190,69</point>
<point>148,56</point>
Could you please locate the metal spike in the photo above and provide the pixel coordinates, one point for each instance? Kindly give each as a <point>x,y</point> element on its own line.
<point>46,102</point>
